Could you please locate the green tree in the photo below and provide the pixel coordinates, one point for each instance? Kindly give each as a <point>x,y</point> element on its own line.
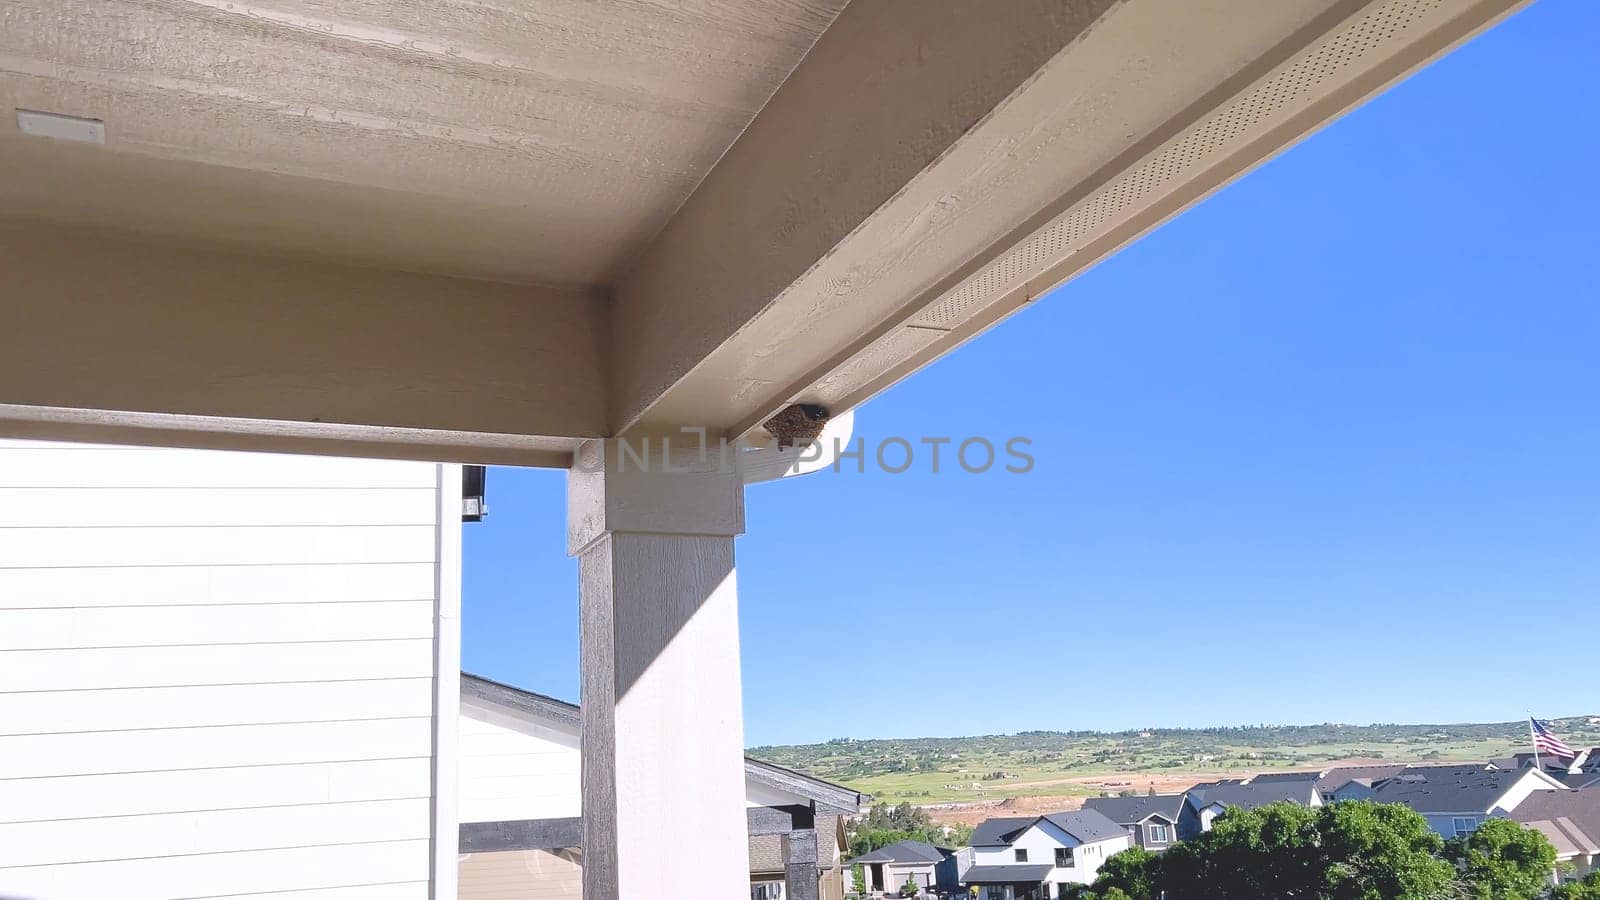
<point>858,881</point>
<point>1345,851</point>
<point>910,888</point>
<point>1130,873</point>
<point>1502,860</point>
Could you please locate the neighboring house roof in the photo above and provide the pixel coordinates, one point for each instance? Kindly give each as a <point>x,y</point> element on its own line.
<point>902,852</point>
<point>1447,789</point>
<point>1084,825</point>
<point>1132,810</point>
<point>1579,809</point>
<point>1250,795</point>
<point>1087,825</point>
<point>1564,835</point>
<point>1336,778</point>
<point>1000,830</point>
<point>1274,777</point>
<point>1022,874</point>
<point>825,793</point>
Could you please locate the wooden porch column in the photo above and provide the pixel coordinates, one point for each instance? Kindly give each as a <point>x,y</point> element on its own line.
<point>663,731</point>
<point>800,864</point>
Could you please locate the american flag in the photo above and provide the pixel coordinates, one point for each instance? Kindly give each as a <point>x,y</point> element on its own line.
<point>1545,741</point>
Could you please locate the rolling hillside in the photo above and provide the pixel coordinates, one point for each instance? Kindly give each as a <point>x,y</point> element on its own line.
<point>1055,764</point>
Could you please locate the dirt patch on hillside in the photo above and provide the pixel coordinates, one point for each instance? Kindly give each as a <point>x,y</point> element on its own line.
<point>1025,804</point>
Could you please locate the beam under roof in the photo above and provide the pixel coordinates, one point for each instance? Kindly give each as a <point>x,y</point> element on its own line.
<point>109,340</point>
<point>930,168</point>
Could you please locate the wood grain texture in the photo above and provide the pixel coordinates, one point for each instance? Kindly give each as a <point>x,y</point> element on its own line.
<point>186,332</point>
<point>563,134</point>
<point>662,722</point>
<point>886,91</point>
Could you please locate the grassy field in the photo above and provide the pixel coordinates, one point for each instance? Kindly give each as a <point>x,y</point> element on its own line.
<point>1084,764</point>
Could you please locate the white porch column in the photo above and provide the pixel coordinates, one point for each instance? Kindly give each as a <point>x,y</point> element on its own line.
<point>663,731</point>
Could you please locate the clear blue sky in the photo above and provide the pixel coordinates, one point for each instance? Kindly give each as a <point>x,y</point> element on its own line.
<point>1324,448</point>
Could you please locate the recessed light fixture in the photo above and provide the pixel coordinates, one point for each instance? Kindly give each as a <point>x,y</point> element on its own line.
<point>61,128</point>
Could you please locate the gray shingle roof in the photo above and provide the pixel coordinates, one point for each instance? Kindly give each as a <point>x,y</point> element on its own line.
<point>1250,796</point>
<point>1025,874</point>
<point>1272,777</point>
<point>1087,825</point>
<point>901,852</point>
<point>1132,810</point>
<point>1580,808</point>
<point>1334,779</point>
<point>1446,789</point>
<point>1000,830</point>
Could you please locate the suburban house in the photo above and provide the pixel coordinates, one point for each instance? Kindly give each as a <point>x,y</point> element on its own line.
<point>1040,857</point>
<point>520,807</point>
<point>529,234</point>
<point>1571,820</point>
<point>1151,820</point>
<point>887,869</point>
<point>1456,799</point>
<point>1204,802</point>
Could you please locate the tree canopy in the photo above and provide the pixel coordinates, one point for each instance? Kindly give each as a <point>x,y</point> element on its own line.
<point>885,825</point>
<point>1501,860</point>
<point>1342,851</point>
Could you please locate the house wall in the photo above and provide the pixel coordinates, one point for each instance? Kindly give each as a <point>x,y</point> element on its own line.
<point>1041,841</point>
<point>896,874</point>
<point>217,672</point>
<point>522,875</point>
<point>1519,791</point>
<point>513,768</point>
<point>1443,824</point>
<point>1142,833</point>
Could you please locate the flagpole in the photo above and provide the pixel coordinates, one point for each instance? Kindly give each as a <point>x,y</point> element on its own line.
<point>1534,738</point>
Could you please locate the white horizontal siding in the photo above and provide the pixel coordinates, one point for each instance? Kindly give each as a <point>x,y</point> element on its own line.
<point>106,626</point>
<point>175,471</point>
<point>216,674</point>
<point>216,831</point>
<point>122,667</point>
<point>223,874</point>
<point>242,546</point>
<point>198,790</point>
<point>48,712</point>
<point>411,890</point>
<point>214,507</point>
<point>88,753</point>
<point>515,768</point>
<point>214,585</point>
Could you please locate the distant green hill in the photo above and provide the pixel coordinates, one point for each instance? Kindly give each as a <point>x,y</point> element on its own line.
<point>1086,763</point>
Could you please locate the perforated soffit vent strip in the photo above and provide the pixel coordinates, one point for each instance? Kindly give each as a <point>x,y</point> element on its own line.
<point>1294,87</point>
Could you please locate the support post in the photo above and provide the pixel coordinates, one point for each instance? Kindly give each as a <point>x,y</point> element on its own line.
<point>800,864</point>
<point>663,730</point>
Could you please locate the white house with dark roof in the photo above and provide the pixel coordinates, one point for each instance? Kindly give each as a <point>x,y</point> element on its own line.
<point>1151,820</point>
<point>1457,799</point>
<point>1204,802</point>
<point>1041,857</point>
